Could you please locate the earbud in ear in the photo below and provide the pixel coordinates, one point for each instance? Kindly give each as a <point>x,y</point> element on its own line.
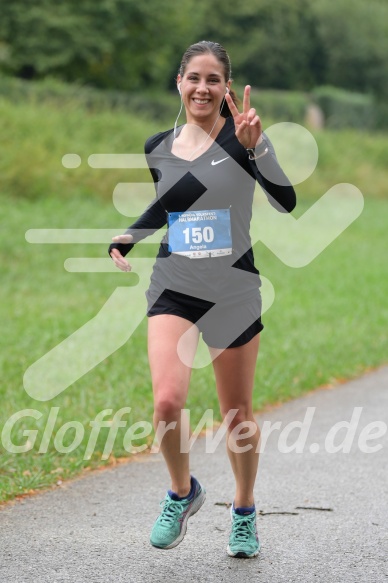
<point>227,90</point>
<point>179,89</point>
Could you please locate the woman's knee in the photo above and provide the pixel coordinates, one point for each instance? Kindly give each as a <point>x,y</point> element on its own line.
<point>237,415</point>
<point>168,406</point>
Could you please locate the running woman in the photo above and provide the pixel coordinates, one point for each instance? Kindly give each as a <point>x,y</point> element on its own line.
<point>205,281</point>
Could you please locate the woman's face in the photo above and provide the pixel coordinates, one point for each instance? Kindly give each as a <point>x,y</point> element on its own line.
<point>203,87</point>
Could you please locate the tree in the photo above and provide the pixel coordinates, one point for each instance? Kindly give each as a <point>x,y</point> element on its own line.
<point>132,45</point>
<point>272,43</point>
<point>353,35</point>
<point>123,44</point>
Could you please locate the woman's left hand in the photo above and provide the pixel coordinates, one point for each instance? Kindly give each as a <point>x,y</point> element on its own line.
<point>247,124</point>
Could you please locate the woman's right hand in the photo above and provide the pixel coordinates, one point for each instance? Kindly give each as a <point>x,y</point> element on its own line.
<point>118,259</point>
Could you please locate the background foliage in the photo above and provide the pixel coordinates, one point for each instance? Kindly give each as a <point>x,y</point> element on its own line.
<point>128,45</point>
<point>95,77</point>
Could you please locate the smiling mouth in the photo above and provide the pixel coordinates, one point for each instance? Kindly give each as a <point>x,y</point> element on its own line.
<point>201,101</point>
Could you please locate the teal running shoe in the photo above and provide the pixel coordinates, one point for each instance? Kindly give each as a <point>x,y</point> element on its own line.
<point>243,540</point>
<point>171,525</point>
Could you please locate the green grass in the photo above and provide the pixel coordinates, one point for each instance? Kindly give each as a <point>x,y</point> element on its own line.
<point>38,136</point>
<point>328,321</point>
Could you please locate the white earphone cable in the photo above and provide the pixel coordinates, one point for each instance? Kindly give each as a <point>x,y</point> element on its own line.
<point>176,121</point>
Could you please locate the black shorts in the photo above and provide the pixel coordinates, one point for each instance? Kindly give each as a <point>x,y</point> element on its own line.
<point>223,325</point>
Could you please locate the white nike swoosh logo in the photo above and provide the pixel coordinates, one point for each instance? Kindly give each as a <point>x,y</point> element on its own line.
<point>219,161</point>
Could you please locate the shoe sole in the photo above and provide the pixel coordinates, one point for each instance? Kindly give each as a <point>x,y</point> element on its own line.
<point>242,555</point>
<point>196,505</point>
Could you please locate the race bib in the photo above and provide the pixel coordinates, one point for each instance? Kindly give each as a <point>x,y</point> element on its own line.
<point>198,234</point>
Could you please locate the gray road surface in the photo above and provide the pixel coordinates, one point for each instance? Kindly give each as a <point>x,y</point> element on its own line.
<point>96,529</point>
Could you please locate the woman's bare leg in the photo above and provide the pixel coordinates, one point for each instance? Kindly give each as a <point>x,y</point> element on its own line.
<point>170,381</point>
<point>234,370</point>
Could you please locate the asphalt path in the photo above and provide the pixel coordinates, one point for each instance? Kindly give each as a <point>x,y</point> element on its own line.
<point>321,495</point>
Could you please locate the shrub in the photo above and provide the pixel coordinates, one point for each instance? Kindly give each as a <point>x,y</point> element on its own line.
<point>345,109</point>
<point>280,105</point>
<point>50,90</point>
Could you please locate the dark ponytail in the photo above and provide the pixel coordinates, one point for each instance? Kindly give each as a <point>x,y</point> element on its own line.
<point>225,111</point>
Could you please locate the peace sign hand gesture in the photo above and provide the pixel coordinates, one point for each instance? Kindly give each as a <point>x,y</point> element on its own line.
<point>247,124</point>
